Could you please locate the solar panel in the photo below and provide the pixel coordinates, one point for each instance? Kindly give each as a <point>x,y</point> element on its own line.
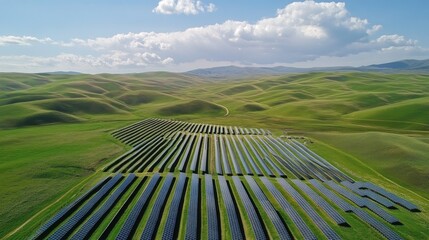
<point>64,230</point>
<point>66,211</point>
<point>269,209</point>
<point>172,224</point>
<point>97,217</point>
<point>211,208</point>
<point>154,217</point>
<point>320,202</point>
<point>193,210</point>
<point>257,227</point>
<point>233,216</point>
<point>133,218</point>
<point>309,210</point>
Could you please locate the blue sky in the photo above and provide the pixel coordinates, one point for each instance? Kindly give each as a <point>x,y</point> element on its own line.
<point>177,35</point>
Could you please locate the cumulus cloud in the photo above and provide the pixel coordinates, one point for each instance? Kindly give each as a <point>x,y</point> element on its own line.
<point>187,7</point>
<point>115,60</point>
<point>300,32</point>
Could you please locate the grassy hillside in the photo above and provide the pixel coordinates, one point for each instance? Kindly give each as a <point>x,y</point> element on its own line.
<point>406,113</point>
<point>40,163</point>
<point>402,159</point>
<point>191,108</point>
<point>54,129</point>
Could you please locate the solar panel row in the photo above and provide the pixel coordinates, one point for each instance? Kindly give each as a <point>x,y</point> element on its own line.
<point>290,210</point>
<point>193,210</point>
<point>255,221</point>
<point>396,199</point>
<point>89,226</point>
<point>309,210</point>
<point>361,202</point>
<point>171,226</point>
<point>233,216</point>
<point>65,229</point>
<point>369,194</point>
<point>66,211</point>
<point>154,217</point>
<point>364,216</point>
<point>211,208</point>
<point>117,216</point>
<point>196,154</point>
<point>320,202</point>
<point>269,209</point>
<point>133,218</point>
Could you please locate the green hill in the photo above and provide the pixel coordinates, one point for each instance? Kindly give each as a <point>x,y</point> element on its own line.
<point>253,107</point>
<point>403,159</point>
<point>144,97</point>
<point>197,107</point>
<point>404,114</point>
<point>54,128</point>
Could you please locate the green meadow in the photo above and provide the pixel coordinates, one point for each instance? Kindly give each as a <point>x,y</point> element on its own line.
<point>55,130</point>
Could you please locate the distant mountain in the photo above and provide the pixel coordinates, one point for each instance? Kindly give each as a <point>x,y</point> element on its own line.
<point>240,72</point>
<point>407,65</point>
<point>234,71</point>
<point>61,73</point>
<point>417,66</point>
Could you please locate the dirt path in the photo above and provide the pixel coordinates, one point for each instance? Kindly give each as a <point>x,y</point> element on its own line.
<point>226,109</point>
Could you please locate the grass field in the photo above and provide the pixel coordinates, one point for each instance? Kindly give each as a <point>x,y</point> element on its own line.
<point>54,129</point>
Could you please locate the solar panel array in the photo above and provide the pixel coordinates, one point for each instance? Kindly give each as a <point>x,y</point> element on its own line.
<point>143,202</point>
<point>248,178</point>
<point>144,130</point>
<point>165,145</point>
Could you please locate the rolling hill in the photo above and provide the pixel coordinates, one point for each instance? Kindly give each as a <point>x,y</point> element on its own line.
<point>54,128</point>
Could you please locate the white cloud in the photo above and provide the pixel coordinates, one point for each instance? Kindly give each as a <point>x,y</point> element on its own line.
<point>301,32</point>
<point>366,58</point>
<point>114,60</point>
<point>187,7</point>
<point>211,7</point>
<point>22,40</point>
<point>395,40</point>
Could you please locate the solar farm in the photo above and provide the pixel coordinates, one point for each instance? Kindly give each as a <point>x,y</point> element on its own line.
<point>183,180</point>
